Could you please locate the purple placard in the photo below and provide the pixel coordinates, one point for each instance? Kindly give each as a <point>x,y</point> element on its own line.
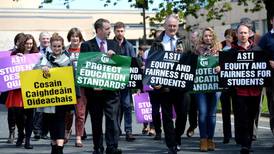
<point>142,107</point>
<point>147,88</point>
<point>10,68</point>
<point>5,53</point>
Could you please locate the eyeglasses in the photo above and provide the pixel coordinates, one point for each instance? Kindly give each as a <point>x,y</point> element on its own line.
<point>57,46</point>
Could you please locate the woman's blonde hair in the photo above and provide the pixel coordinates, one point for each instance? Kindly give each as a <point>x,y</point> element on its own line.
<point>216,45</point>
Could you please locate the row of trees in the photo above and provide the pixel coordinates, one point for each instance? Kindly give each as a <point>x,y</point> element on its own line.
<point>215,9</point>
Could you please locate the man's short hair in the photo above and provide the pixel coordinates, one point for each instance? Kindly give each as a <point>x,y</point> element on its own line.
<point>99,23</point>
<point>247,22</point>
<point>242,25</point>
<point>119,25</point>
<point>43,34</point>
<point>171,16</point>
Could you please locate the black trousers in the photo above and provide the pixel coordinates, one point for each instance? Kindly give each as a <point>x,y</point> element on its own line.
<point>11,119</point>
<point>57,125</point>
<point>247,107</point>
<point>156,116</point>
<point>228,100</point>
<point>46,121</point>
<point>24,120</point>
<point>104,102</point>
<point>192,112</point>
<point>270,103</point>
<point>37,123</point>
<point>168,100</point>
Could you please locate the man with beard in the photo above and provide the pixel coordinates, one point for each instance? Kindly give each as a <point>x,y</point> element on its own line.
<point>126,49</point>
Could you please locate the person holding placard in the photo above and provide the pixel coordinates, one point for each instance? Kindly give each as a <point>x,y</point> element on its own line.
<point>103,101</point>
<point>167,97</point>
<point>11,111</point>
<point>24,117</point>
<point>247,98</point>
<point>207,102</point>
<point>57,58</point>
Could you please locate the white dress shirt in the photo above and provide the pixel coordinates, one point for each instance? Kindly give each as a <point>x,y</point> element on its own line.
<point>166,43</point>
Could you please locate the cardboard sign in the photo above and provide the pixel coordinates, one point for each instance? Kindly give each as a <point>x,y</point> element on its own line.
<point>11,66</point>
<point>244,68</point>
<point>97,70</point>
<point>41,91</point>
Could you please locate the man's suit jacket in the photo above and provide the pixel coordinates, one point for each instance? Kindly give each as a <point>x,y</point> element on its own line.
<point>91,45</point>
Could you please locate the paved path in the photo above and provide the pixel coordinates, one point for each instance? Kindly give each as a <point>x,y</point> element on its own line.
<point>143,144</point>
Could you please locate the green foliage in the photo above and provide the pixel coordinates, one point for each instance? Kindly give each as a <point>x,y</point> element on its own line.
<point>47,1</point>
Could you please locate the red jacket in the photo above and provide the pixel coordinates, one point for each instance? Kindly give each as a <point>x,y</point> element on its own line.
<point>246,91</point>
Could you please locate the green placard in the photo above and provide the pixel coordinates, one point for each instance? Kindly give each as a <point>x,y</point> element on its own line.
<point>206,79</point>
<point>97,70</point>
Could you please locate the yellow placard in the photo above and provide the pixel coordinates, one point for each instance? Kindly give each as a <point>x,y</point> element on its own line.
<point>41,91</point>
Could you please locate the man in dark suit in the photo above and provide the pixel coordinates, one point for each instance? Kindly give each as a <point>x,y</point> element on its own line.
<point>41,121</point>
<point>168,97</point>
<point>103,101</point>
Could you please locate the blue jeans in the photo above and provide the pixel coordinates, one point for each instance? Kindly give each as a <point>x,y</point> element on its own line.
<point>207,106</point>
<point>125,110</point>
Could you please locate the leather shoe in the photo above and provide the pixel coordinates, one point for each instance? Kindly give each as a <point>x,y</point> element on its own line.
<point>244,150</point>
<point>19,141</point>
<point>28,146</point>
<point>45,137</point>
<point>190,132</point>
<point>129,137</point>
<point>37,137</point>
<point>79,145</point>
<point>178,148</point>
<point>157,137</point>
<point>113,151</point>
<point>226,140</point>
<point>172,150</point>
<point>97,152</point>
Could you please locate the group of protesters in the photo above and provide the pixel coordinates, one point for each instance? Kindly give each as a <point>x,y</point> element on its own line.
<point>58,120</point>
